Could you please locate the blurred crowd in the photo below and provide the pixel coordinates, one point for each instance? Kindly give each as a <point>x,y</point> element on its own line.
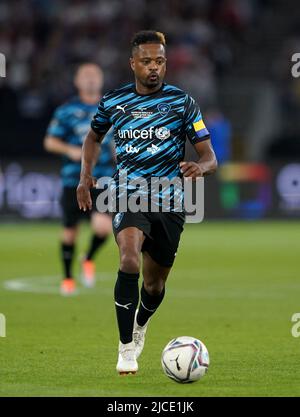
<point>44,40</point>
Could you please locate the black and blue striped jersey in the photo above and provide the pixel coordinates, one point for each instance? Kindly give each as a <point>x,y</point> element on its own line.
<point>70,123</point>
<point>150,131</point>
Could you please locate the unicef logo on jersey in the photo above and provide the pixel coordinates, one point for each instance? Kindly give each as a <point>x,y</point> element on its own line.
<point>117,220</point>
<point>162,133</point>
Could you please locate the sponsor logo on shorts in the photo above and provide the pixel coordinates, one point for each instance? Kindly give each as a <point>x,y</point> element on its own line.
<point>117,220</point>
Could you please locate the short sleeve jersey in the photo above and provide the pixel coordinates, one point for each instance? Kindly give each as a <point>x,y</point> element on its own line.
<point>70,123</point>
<point>150,131</point>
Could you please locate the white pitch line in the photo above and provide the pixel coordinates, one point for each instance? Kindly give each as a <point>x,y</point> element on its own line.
<point>47,284</point>
<point>51,285</point>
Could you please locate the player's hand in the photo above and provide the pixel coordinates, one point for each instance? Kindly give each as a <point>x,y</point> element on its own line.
<point>191,169</point>
<point>83,193</point>
<point>74,153</point>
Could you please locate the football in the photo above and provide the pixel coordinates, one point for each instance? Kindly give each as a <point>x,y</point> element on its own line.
<point>185,359</point>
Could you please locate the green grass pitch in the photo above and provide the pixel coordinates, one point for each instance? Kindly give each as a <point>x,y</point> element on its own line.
<point>234,285</point>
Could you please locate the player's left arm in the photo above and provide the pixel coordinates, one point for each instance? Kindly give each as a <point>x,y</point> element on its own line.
<point>199,136</point>
<point>207,163</point>
<point>97,154</point>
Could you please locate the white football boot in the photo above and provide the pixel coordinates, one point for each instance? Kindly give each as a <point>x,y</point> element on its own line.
<point>127,363</point>
<point>138,335</point>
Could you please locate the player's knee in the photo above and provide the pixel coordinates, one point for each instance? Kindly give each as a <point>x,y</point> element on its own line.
<point>130,262</point>
<point>69,235</point>
<point>154,288</point>
<point>102,225</point>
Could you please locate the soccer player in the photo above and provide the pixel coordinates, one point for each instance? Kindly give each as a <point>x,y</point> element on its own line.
<point>151,121</point>
<point>65,136</point>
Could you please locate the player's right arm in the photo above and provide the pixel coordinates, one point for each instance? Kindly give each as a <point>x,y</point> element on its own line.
<point>90,148</point>
<point>56,140</point>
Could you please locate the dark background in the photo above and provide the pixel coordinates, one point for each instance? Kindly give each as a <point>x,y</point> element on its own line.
<point>232,56</point>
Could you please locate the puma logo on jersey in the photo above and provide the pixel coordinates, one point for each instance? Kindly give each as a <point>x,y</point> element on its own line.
<point>122,108</point>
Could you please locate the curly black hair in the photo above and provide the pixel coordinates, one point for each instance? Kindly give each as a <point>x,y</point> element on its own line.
<point>147,36</point>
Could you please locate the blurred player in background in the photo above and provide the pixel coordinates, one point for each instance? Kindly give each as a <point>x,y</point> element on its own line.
<point>151,122</point>
<point>221,136</point>
<point>65,136</point>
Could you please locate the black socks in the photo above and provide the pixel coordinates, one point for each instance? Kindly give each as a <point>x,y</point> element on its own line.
<point>96,243</point>
<point>148,306</point>
<point>67,252</point>
<point>126,301</point>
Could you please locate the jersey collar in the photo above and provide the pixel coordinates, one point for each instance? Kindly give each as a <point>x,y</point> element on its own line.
<point>150,94</point>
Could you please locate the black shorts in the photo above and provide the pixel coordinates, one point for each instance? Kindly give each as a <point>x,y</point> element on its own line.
<point>71,214</point>
<point>162,231</point>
